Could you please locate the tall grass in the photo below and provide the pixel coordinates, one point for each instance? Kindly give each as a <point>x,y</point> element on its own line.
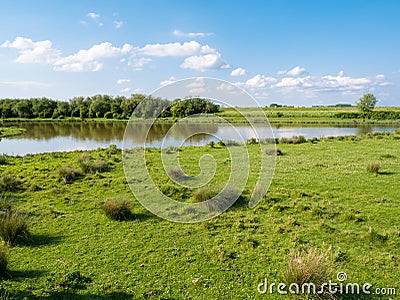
<point>90,165</point>
<point>117,209</point>
<point>314,266</point>
<point>68,174</point>
<point>14,228</point>
<point>9,183</point>
<point>374,167</point>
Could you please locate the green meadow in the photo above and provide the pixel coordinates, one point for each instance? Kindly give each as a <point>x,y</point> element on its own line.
<point>337,195</point>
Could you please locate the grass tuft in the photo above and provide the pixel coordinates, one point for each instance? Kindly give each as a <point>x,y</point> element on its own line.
<point>313,266</point>
<point>117,209</point>
<point>373,167</point>
<point>90,166</point>
<point>14,228</point>
<point>9,183</point>
<point>68,174</point>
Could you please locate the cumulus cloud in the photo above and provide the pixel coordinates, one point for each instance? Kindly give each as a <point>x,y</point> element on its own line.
<point>177,32</point>
<point>125,90</point>
<point>93,16</point>
<point>33,52</point>
<point>239,72</point>
<point>123,81</point>
<point>174,49</point>
<point>202,63</point>
<point>138,63</point>
<point>296,71</point>
<point>89,60</point>
<point>260,81</point>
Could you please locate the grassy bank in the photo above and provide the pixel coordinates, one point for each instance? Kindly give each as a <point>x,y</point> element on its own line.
<point>322,196</point>
<point>10,131</point>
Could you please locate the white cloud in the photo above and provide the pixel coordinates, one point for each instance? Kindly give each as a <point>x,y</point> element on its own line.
<point>118,24</point>
<point>202,63</point>
<point>170,80</point>
<point>123,81</point>
<point>33,52</point>
<point>88,60</point>
<point>139,63</point>
<point>296,71</point>
<point>198,86</point>
<point>177,32</point>
<point>293,82</point>
<point>125,90</point>
<point>173,49</point>
<point>260,81</point>
<point>239,72</point>
<point>93,16</point>
<point>380,77</point>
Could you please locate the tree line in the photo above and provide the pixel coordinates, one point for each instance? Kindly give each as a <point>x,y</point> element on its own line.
<point>104,106</point>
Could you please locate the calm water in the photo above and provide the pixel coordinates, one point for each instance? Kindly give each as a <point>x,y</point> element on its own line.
<point>50,137</point>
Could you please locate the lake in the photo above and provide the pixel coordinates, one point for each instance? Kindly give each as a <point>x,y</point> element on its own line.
<point>51,137</point>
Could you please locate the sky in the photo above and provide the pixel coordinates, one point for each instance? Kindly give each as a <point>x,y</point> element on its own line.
<point>300,53</point>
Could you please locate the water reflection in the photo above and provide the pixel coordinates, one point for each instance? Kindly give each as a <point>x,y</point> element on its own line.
<point>48,137</point>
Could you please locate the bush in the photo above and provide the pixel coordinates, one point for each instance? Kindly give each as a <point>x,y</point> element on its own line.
<point>68,174</point>
<point>9,183</point>
<point>3,159</point>
<point>3,260</point>
<point>14,228</point>
<point>374,167</point>
<point>211,144</point>
<point>117,209</point>
<point>313,266</point>
<point>252,141</point>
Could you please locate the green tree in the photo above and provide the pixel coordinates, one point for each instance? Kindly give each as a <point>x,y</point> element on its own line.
<point>367,103</point>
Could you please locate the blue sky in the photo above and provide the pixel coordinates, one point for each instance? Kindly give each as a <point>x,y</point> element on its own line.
<point>290,52</point>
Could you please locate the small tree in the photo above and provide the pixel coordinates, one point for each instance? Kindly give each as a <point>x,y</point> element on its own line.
<point>367,103</point>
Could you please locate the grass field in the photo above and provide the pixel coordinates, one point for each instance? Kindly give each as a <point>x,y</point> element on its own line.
<point>321,196</point>
<point>304,115</point>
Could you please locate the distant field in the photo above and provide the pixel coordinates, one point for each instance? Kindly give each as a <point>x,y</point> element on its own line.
<point>306,115</point>
<point>321,196</point>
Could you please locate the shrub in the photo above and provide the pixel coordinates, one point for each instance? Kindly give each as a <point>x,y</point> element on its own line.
<point>117,209</point>
<point>313,266</point>
<point>14,228</point>
<point>221,143</point>
<point>3,260</point>
<point>68,174</point>
<point>3,159</point>
<point>293,140</point>
<point>211,144</point>
<point>252,141</point>
<point>374,167</point>
<point>9,183</point>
